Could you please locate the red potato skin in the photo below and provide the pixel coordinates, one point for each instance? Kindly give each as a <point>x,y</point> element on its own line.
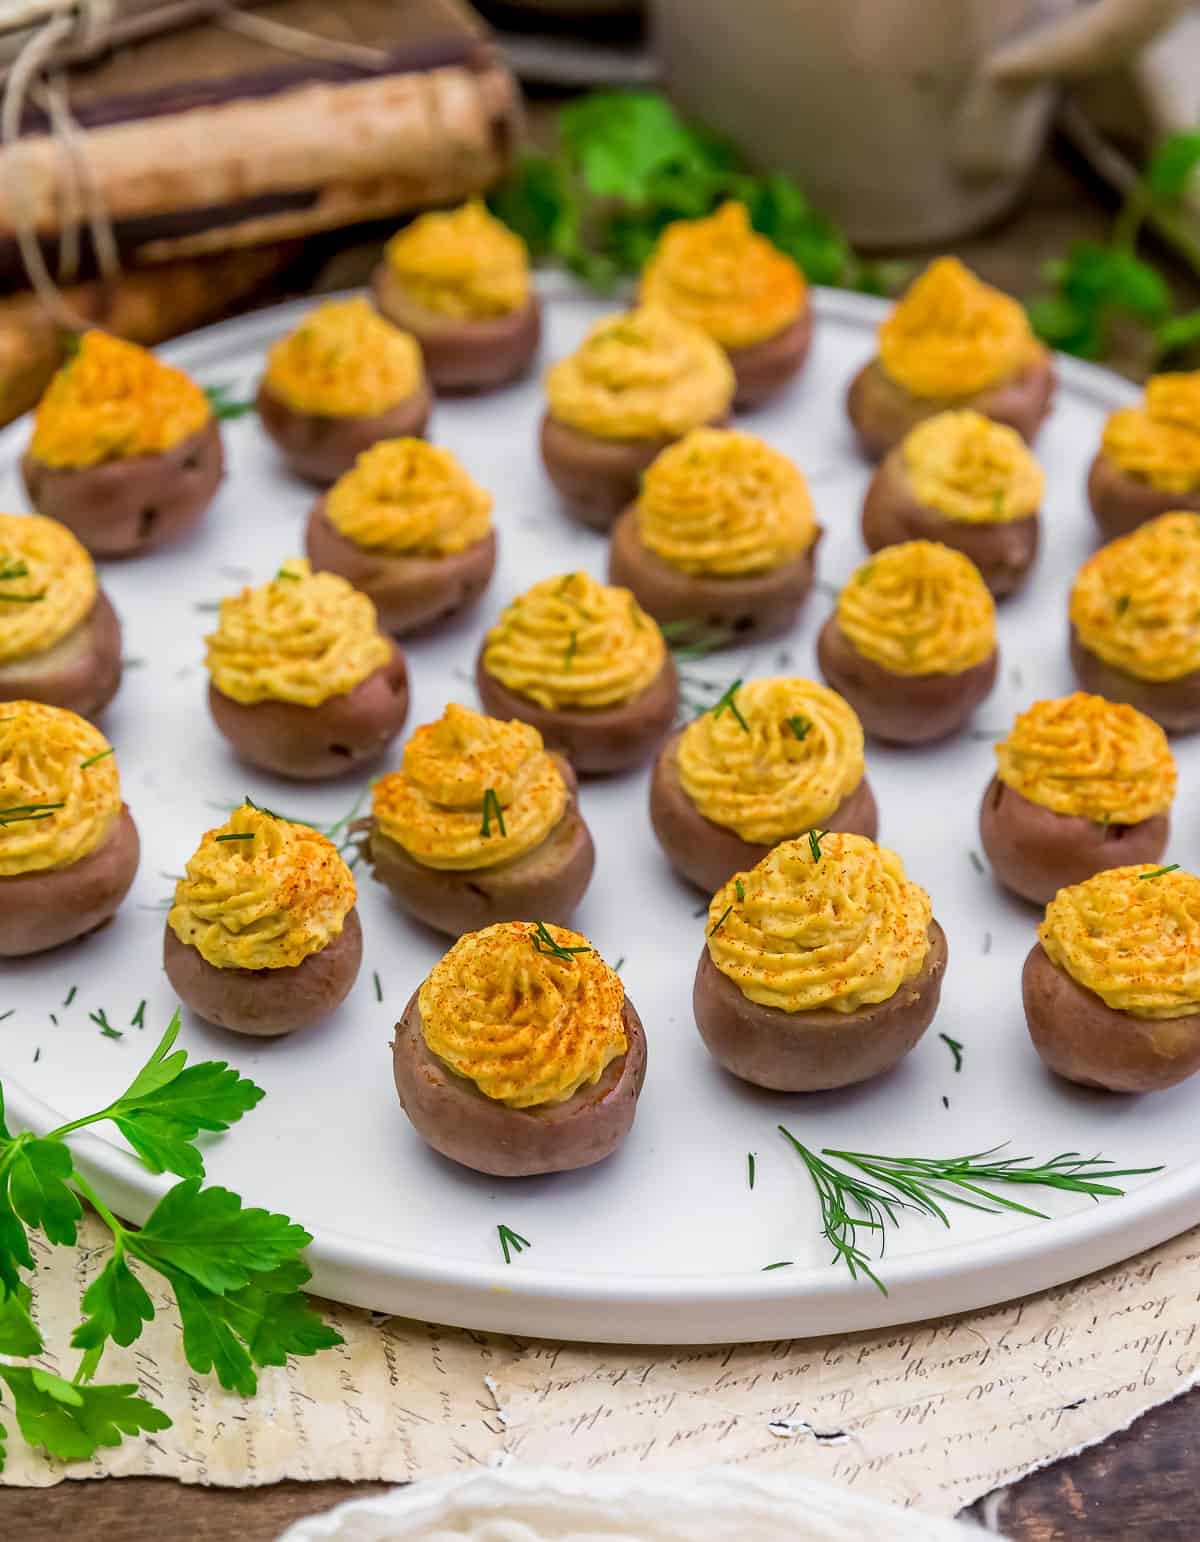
<point>311,744</point>
<point>450,1113</point>
<point>763,369</point>
<point>708,854</point>
<point>39,911</point>
<point>410,593</point>
<point>747,608</point>
<point>1084,1040</point>
<point>321,448</point>
<point>1173,704</point>
<point>462,356</point>
<point>126,508</point>
<point>266,1003</point>
<point>881,412</point>
<point>596,478</point>
<point>547,882</point>
<point>902,709</point>
<point>81,672</point>
<point>1035,852</point>
<point>1120,502</point>
<point>596,741</point>
<point>819,1050</point>
<point>891,514</point>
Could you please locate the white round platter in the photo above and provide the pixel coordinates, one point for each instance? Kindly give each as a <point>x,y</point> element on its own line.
<point>664,1242</point>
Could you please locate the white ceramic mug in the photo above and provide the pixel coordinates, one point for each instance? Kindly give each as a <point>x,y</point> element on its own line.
<point>908,121</point>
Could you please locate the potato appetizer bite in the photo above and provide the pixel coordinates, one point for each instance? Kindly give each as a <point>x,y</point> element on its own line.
<point>638,381</point>
<point>458,281</point>
<point>951,341</point>
<point>911,644</point>
<point>68,847</point>
<point>585,665</point>
<point>1148,462</point>
<point>480,825</point>
<point>1112,986</point>
<point>263,936</point>
<point>125,450</point>
<point>1081,784</point>
<point>60,640</point>
<point>302,681</point>
<point>341,381</point>
<point>967,482</point>
<point>770,760</point>
<point>721,540</point>
<point>409,528</point>
<point>821,967</point>
<point>1135,621</point>
<point>719,274</point>
<point>520,1053</point>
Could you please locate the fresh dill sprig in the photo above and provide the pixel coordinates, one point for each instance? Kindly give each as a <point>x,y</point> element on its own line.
<point>873,1195</point>
<point>511,1242</point>
<point>544,942</point>
<point>492,810</point>
<point>728,698</point>
<point>955,1048</point>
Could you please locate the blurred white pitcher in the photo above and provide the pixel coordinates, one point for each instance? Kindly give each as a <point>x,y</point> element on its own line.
<point>908,121</point>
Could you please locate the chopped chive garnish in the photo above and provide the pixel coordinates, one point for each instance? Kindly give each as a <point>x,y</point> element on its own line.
<point>618,965</point>
<point>544,942</point>
<point>750,1167</point>
<point>720,922</point>
<point>739,890</point>
<point>91,761</point>
<point>138,1020</point>
<point>378,986</point>
<point>572,649</point>
<point>107,1030</point>
<point>511,1242</point>
<point>21,812</point>
<point>37,1054</point>
<point>784,1263</point>
<point>293,578</point>
<point>261,808</point>
<point>1161,872</point>
<point>955,1048</point>
<point>9,1013</point>
<point>728,699</point>
<point>53,1019</point>
<point>800,726</point>
<point>491,810</point>
<point>71,994</point>
<point>1122,604</point>
<point>23,599</point>
<point>976,861</point>
<point>18,569</point>
<point>235,835</point>
<point>815,837</point>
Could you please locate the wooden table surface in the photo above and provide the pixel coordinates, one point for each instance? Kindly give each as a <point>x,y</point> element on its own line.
<point>1137,1484</point>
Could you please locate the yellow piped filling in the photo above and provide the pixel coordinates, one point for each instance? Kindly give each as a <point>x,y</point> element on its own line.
<point>642,374</point>
<point>49,756</point>
<point>410,498</point>
<point>473,792</point>
<point>1133,940</point>
<point>919,608</point>
<point>112,401</point>
<point>721,503</point>
<point>798,758</point>
<point>1090,758</point>
<point>952,335</point>
<point>571,642</point>
<point>1136,602</point>
<point>461,264</point>
<point>525,1025</point>
<point>269,898</point>
<point>965,467</point>
<point>1159,442</point>
<point>47,585</point>
<point>719,274</point>
<point>303,637</point>
<point>344,361</point>
<point>836,933</point>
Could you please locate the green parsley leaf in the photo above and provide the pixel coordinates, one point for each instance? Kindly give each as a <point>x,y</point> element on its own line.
<point>37,1187</point>
<point>70,1422</point>
<point>14,1246</point>
<point>1172,167</point>
<point>209,1236</point>
<point>18,1331</point>
<point>116,1305</point>
<point>225,406</point>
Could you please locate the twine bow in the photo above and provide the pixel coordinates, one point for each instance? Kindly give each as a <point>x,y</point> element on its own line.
<point>74,31</point>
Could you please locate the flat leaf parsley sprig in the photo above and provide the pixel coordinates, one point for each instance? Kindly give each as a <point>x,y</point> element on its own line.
<point>236,1272</point>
